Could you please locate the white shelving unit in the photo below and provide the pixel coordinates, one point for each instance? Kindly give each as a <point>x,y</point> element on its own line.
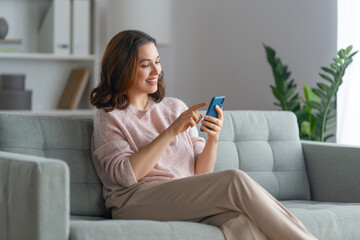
<point>45,56</point>
<point>88,113</point>
<point>46,73</point>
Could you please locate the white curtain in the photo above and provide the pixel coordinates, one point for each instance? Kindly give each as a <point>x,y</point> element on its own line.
<point>348,98</point>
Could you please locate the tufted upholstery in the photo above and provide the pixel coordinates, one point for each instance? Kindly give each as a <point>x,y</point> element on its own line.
<point>67,139</point>
<point>266,145</point>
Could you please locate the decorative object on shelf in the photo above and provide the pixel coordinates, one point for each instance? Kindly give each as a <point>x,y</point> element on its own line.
<point>13,95</point>
<point>317,115</point>
<point>10,45</point>
<point>3,28</point>
<point>74,88</point>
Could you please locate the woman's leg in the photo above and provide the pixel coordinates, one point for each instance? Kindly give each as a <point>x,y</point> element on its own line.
<point>235,225</point>
<point>263,210</point>
<point>228,199</point>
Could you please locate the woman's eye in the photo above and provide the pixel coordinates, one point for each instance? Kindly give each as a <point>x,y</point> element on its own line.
<point>144,66</point>
<point>157,62</point>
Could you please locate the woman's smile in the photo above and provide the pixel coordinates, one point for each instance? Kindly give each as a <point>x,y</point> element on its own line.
<point>152,81</point>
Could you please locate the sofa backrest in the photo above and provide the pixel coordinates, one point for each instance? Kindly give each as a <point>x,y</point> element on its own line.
<point>64,138</point>
<point>266,145</point>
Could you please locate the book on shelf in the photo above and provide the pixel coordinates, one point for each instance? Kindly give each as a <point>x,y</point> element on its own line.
<point>74,88</point>
<point>54,32</point>
<point>80,27</point>
<point>11,45</point>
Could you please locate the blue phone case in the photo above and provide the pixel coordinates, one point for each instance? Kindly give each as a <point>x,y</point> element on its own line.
<point>211,111</point>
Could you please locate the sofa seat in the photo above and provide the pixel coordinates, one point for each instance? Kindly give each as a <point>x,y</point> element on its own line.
<point>95,228</point>
<point>328,220</point>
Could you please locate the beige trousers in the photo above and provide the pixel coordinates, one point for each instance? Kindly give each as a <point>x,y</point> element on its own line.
<point>229,199</point>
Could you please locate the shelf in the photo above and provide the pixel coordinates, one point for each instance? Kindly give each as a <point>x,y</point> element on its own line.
<point>46,56</point>
<point>89,113</point>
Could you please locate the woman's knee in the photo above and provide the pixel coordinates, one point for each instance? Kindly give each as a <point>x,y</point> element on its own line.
<point>235,174</point>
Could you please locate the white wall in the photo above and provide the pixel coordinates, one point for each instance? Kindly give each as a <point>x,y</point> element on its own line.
<point>217,49</point>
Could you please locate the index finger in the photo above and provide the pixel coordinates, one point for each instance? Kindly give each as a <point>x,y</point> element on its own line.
<point>196,106</point>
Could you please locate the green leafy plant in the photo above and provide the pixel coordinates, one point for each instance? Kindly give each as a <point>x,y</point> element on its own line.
<point>325,108</point>
<point>317,113</point>
<point>306,121</point>
<point>284,89</point>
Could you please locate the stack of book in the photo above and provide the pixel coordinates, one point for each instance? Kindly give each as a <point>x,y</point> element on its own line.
<point>10,45</point>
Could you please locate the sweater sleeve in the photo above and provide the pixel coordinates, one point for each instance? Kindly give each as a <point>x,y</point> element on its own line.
<point>198,142</point>
<point>112,152</point>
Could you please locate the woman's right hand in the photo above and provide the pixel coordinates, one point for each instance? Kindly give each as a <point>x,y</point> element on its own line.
<point>187,119</point>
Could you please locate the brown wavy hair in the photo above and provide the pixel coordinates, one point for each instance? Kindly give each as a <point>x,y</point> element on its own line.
<point>119,69</point>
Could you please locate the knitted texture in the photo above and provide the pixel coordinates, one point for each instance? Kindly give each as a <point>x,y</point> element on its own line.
<point>120,133</point>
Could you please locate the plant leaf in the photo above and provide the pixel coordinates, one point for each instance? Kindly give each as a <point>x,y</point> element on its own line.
<point>342,54</point>
<point>314,104</point>
<point>326,78</point>
<point>324,87</point>
<point>283,90</point>
<point>348,49</point>
<point>321,94</point>
<point>306,128</point>
<point>328,136</point>
<point>335,66</point>
<point>353,54</point>
<point>328,70</point>
<point>338,60</point>
<point>277,94</point>
<point>289,93</point>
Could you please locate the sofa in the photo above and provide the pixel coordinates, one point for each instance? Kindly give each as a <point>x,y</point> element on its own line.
<point>49,188</point>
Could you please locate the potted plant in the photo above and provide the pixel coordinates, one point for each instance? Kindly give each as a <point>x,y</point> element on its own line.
<point>316,114</point>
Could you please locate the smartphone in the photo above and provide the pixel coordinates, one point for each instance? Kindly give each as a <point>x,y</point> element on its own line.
<point>211,111</point>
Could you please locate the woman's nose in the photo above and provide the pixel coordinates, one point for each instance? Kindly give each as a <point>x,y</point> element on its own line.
<point>156,69</point>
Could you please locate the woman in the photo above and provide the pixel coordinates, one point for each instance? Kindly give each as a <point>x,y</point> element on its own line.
<point>152,162</point>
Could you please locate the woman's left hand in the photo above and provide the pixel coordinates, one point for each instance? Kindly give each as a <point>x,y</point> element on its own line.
<point>213,125</point>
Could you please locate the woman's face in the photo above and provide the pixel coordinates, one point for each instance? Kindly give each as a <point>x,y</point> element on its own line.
<point>148,70</point>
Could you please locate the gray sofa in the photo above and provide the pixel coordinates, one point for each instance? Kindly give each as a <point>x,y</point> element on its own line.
<point>49,188</point>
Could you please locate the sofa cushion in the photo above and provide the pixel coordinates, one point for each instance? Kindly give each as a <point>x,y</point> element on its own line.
<point>327,220</point>
<point>85,228</point>
<point>266,145</point>
<point>62,138</point>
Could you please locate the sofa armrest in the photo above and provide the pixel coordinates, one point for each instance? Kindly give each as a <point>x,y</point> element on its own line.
<point>333,171</point>
<point>34,198</point>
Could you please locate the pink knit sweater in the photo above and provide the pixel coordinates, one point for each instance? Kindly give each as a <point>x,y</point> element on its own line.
<point>120,133</point>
